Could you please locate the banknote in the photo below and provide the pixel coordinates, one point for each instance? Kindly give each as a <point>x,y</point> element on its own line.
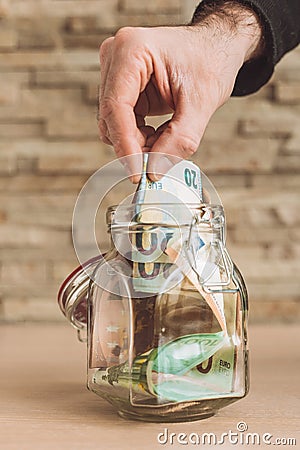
<point>153,205</point>
<point>214,300</point>
<point>188,368</point>
<point>210,378</point>
<point>181,184</point>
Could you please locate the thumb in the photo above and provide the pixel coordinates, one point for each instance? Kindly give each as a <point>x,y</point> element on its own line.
<point>179,140</point>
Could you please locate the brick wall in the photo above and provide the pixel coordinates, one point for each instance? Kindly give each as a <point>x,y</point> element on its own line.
<point>49,147</point>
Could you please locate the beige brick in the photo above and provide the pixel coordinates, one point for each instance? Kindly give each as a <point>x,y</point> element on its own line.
<point>295,235</point>
<point>289,214</point>
<point>66,115</point>
<point>292,146</point>
<point>10,87</point>
<point>262,207</point>
<point>277,291</point>
<point>34,290</point>
<point>263,270</point>
<point>280,125</point>
<point>238,155</point>
<point>287,163</point>
<point>251,217</point>
<point>17,78</point>
<point>85,41</point>
<point>3,215</point>
<point>26,165</point>
<point>8,94</point>
<point>66,8</point>
<point>289,68</point>
<point>70,125</point>
<point>77,158</point>
<point>91,94</point>
<point>81,25</point>
<point>4,8</point>
<point>8,37</point>
<point>244,255</point>
<point>149,19</point>
<point>61,269</point>
<point>57,59</point>
<point>57,107</point>
<point>154,6</point>
<point>7,165</point>
<point>187,9</point>
<point>16,273</point>
<point>33,104</point>
<point>225,129</point>
<point>93,208</point>
<point>287,92</point>
<point>63,111</point>
<point>16,236</point>
<point>276,181</point>
<point>266,92</point>
<point>92,24</point>
<point>49,210</point>
<point>264,236</point>
<point>287,311</point>
<point>37,34</point>
<point>156,121</point>
<point>20,130</point>
<point>221,181</point>
<point>259,198</point>
<point>286,250</point>
<point>66,78</point>
<point>37,183</point>
<point>242,108</point>
<point>51,255</point>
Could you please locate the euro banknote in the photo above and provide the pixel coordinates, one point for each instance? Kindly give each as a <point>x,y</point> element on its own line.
<point>164,203</point>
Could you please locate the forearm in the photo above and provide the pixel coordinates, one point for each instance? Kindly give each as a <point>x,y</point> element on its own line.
<point>233,20</point>
<point>280,32</point>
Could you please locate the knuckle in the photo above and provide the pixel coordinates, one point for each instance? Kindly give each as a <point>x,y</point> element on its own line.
<point>102,126</point>
<point>105,47</point>
<point>127,35</point>
<point>104,139</point>
<point>108,106</point>
<point>187,143</point>
<point>118,149</point>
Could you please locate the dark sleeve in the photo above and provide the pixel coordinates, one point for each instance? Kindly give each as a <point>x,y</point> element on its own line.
<point>281,24</point>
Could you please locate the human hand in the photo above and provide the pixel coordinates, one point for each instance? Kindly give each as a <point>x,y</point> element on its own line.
<point>189,71</point>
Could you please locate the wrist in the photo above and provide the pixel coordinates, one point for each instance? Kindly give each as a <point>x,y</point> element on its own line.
<point>235,21</point>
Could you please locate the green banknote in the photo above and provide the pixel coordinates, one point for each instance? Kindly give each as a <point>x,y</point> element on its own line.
<point>189,368</point>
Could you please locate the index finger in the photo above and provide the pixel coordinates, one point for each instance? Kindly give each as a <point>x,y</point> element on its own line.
<point>127,77</point>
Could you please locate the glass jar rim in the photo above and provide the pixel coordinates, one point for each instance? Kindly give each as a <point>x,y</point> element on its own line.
<point>204,213</point>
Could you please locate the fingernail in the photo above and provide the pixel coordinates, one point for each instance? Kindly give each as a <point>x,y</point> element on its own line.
<point>158,166</point>
<point>133,165</point>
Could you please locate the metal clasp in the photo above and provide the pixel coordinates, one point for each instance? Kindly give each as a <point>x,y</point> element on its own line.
<point>81,337</point>
<point>225,260</point>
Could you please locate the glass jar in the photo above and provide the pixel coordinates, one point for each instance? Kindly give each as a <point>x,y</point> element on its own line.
<point>167,314</point>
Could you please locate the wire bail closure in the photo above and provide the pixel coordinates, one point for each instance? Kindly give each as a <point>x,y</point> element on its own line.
<point>210,287</point>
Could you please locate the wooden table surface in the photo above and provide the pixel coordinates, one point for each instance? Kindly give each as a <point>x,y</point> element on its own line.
<point>45,404</point>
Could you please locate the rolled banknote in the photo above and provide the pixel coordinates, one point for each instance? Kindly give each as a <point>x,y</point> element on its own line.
<point>155,255</point>
<point>152,369</point>
<point>181,185</point>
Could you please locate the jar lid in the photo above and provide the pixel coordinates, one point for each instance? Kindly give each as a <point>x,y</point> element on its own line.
<point>73,293</point>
